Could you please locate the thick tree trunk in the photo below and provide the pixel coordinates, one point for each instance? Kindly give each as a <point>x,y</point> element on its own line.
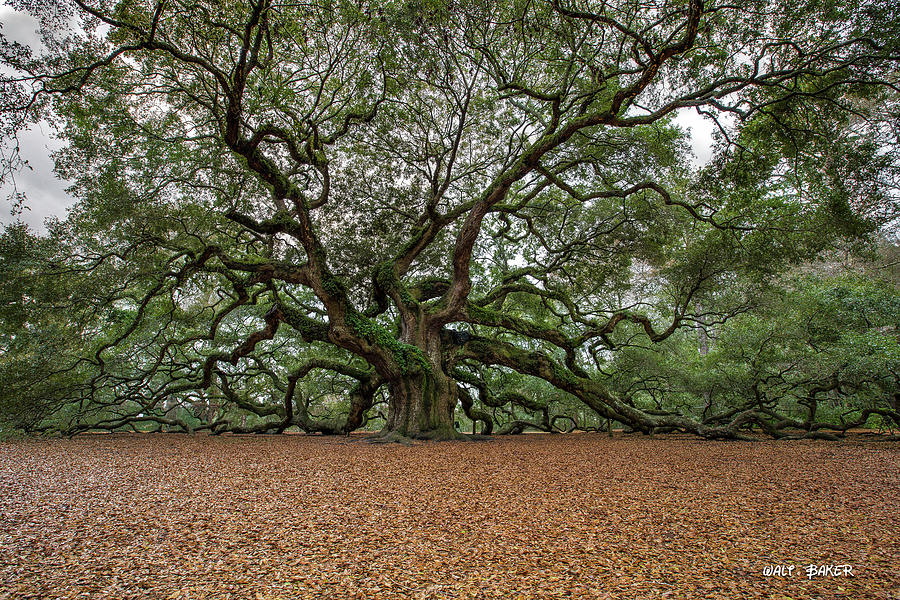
<point>422,406</point>
<point>423,399</point>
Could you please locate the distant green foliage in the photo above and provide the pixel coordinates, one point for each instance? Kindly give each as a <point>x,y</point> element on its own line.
<point>816,348</point>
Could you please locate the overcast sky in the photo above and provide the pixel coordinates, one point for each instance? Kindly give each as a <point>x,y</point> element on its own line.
<point>46,194</point>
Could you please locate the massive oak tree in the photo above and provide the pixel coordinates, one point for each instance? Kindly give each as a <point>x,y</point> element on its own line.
<point>430,202</point>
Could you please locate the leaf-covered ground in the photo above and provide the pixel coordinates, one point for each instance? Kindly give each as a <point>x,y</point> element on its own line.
<point>536,516</point>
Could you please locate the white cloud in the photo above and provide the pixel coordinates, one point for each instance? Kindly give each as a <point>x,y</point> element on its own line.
<point>46,195</point>
<point>701,134</point>
<point>20,27</point>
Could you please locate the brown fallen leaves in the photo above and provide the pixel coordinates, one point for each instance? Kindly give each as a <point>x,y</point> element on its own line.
<point>537,516</point>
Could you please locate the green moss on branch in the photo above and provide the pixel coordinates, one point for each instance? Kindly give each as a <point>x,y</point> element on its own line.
<point>409,358</point>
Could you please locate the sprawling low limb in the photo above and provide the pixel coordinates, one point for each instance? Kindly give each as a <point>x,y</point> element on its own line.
<point>500,401</point>
<point>475,414</point>
<point>362,397</point>
<point>591,392</point>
